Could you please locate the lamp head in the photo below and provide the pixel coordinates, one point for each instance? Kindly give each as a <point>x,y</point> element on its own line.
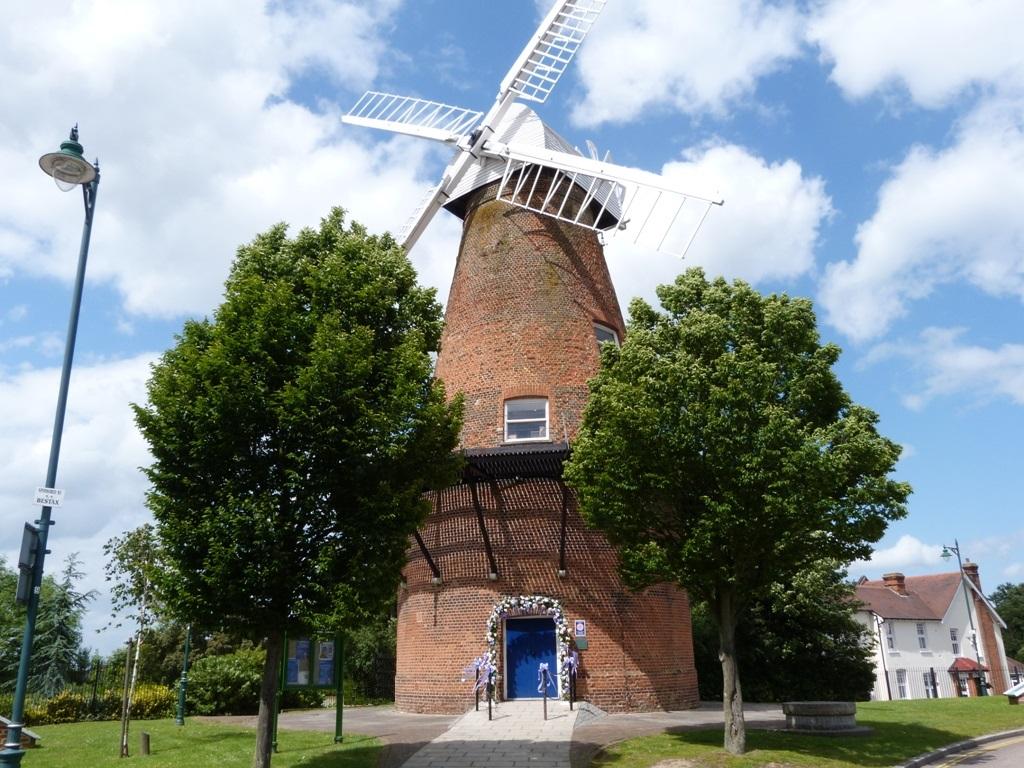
<point>68,167</point>
<point>946,554</point>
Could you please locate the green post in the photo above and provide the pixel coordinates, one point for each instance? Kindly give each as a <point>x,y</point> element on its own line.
<point>339,698</point>
<point>69,168</point>
<point>277,696</point>
<point>179,717</point>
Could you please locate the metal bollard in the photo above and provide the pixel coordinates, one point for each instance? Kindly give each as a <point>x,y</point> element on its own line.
<point>490,696</point>
<point>476,689</point>
<point>144,742</point>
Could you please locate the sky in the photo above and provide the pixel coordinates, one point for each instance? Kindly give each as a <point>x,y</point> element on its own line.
<point>871,156</point>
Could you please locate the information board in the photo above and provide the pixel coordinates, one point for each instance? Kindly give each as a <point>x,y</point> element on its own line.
<point>310,663</point>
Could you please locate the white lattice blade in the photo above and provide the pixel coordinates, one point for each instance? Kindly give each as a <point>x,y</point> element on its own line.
<point>602,197</point>
<point>599,169</point>
<point>419,220</point>
<point>551,48</point>
<point>663,221</point>
<point>571,197</point>
<point>412,116</point>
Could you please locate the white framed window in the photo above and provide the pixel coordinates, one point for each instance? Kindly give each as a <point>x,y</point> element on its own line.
<point>526,418</point>
<point>901,683</point>
<point>954,638</point>
<point>603,333</point>
<point>964,688</point>
<point>922,638</point>
<point>931,688</point>
<point>890,635</point>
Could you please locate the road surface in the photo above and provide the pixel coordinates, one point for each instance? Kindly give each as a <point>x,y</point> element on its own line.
<point>1005,753</point>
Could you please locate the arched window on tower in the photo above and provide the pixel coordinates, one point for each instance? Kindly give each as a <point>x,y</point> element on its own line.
<point>603,333</point>
<point>526,418</point>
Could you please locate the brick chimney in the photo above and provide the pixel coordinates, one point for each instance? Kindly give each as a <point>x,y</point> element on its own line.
<point>896,582</point>
<point>987,644</point>
<point>971,572</point>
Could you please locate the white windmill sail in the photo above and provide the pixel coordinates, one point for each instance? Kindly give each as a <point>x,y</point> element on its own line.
<point>551,48</point>
<point>610,194</point>
<point>534,74</point>
<point>412,116</point>
<point>537,169</point>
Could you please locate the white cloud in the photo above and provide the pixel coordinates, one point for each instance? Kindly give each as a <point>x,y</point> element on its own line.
<point>907,554</point>
<point>188,106</point>
<point>1005,546</point>
<point>692,57</point>
<point>942,216</point>
<point>16,313</point>
<point>933,50</point>
<point>767,228</point>
<point>952,367</point>
<point>101,451</point>
<point>911,555</point>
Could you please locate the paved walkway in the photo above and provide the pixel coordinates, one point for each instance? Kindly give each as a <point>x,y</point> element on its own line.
<point>518,737</point>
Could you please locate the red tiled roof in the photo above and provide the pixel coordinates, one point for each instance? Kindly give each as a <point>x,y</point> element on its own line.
<point>889,605</point>
<point>928,597</point>
<point>961,664</point>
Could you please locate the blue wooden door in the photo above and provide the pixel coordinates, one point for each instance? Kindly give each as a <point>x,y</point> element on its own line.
<point>528,644</point>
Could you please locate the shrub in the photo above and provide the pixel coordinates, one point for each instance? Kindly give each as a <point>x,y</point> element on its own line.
<point>153,701</point>
<point>70,706</point>
<point>65,707</point>
<point>228,684</point>
<point>302,699</point>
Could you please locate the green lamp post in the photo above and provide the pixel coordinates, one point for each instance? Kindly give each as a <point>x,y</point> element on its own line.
<point>69,169</point>
<point>947,552</point>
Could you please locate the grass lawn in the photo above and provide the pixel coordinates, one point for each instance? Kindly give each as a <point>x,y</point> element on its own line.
<point>197,745</point>
<point>902,729</point>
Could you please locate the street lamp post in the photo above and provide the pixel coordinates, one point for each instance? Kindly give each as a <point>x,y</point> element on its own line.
<point>946,554</point>
<point>69,169</point>
<point>179,716</point>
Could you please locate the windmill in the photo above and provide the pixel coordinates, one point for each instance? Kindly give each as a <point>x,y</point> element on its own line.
<point>537,169</point>
<point>504,554</point>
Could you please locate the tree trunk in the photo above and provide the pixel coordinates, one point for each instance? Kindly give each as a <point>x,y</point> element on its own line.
<point>732,699</point>
<point>268,692</point>
<point>127,716</point>
<point>133,681</point>
<point>124,701</point>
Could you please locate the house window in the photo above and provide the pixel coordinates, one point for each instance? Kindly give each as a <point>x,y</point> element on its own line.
<point>901,683</point>
<point>954,638</point>
<point>604,333</point>
<point>931,688</point>
<point>922,639</point>
<point>890,635</point>
<point>526,418</point>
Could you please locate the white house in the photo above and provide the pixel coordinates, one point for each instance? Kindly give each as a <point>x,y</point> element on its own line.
<point>936,636</point>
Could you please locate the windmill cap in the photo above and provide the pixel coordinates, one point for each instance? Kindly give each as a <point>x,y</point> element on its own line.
<point>522,126</point>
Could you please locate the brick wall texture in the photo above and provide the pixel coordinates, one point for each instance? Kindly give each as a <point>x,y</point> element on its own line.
<point>520,318</point>
<point>526,293</point>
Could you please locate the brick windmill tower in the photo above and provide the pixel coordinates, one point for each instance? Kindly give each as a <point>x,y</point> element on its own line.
<point>504,565</point>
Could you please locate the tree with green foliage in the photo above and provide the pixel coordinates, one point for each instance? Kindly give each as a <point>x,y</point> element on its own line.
<point>293,436</point>
<point>133,563</point>
<point>58,656</point>
<point>163,650</point>
<point>719,451</point>
<point>12,626</point>
<point>800,642</point>
<point>1009,602</point>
